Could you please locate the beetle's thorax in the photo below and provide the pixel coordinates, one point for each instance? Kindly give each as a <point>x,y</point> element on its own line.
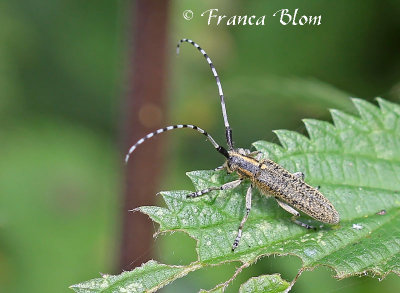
<point>244,165</point>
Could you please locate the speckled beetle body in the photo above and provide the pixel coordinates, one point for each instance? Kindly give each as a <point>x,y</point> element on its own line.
<point>272,179</point>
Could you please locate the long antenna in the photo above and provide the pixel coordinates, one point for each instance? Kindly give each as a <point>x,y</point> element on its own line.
<point>219,148</point>
<point>228,130</point>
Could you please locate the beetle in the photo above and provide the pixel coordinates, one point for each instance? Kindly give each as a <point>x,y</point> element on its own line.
<point>289,189</point>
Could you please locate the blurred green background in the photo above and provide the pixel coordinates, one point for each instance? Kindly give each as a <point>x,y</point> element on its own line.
<point>62,81</point>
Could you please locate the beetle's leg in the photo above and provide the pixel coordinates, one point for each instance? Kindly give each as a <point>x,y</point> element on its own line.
<point>288,208</point>
<point>300,223</point>
<point>229,185</point>
<point>248,208</point>
<point>258,155</point>
<point>295,214</point>
<point>299,175</point>
<point>220,168</point>
<point>243,151</point>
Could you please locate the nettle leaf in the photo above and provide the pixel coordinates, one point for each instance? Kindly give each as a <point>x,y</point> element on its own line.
<point>150,277</point>
<point>356,163</point>
<point>265,284</point>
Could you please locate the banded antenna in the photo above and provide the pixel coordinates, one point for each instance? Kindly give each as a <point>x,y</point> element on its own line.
<point>219,148</point>
<point>228,130</point>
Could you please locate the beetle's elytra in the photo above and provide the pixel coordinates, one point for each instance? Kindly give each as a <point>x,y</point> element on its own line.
<point>289,189</point>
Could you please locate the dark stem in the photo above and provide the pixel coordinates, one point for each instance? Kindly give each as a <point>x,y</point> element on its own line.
<point>144,111</point>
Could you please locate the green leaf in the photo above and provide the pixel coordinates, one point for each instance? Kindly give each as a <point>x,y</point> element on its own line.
<point>356,163</point>
<point>265,284</point>
<point>150,277</point>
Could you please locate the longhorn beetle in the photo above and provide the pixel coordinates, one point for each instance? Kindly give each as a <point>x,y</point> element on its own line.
<point>289,190</point>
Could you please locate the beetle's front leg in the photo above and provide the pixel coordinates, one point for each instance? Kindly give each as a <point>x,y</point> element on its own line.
<point>229,185</point>
<point>246,215</point>
<point>219,168</point>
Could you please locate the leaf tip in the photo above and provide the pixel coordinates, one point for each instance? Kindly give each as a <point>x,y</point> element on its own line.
<point>134,210</point>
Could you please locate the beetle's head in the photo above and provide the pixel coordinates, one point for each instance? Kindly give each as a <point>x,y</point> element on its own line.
<point>231,162</point>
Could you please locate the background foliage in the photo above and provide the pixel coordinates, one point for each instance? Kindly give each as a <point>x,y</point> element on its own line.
<point>61,68</point>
